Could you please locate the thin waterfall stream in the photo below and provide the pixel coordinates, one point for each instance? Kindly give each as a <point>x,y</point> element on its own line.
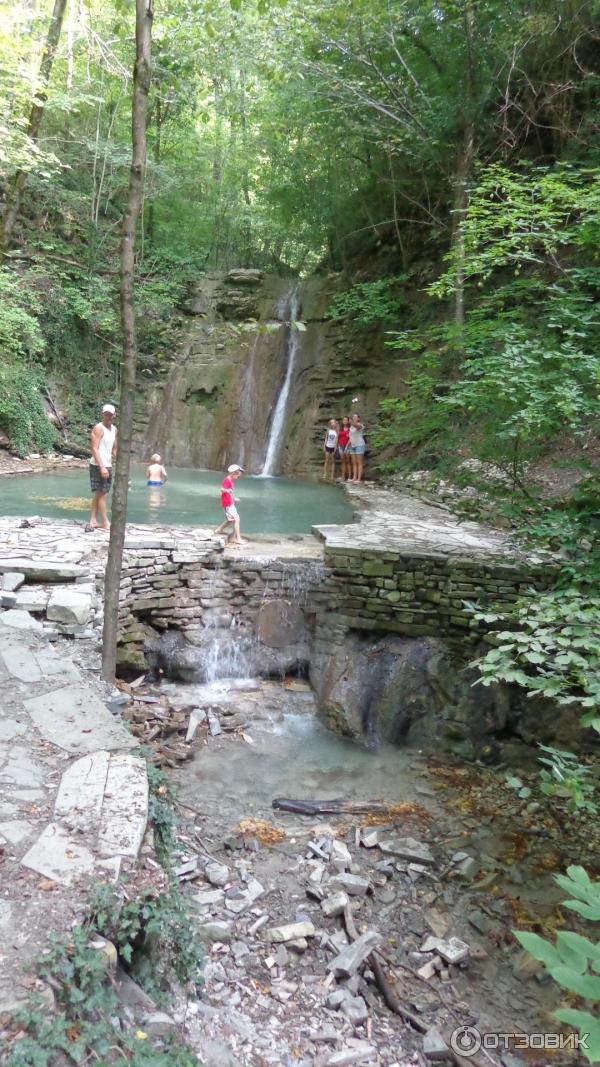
<point>290,313</point>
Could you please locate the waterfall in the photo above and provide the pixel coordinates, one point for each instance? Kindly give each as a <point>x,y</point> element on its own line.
<point>278,422</point>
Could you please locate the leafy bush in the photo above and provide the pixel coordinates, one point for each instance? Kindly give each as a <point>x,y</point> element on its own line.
<point>526,393</point>
<point>22,413</point>
<point>20,334</point>
<point>370,303</point>
<point>525,366</point>
<point>85,1022</point>
<point>554,652</point>
<point>567,778</point>
<point>573,961</point>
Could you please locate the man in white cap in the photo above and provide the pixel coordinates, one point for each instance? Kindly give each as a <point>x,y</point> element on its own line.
<point>104,450</point>
<point>234,471</point>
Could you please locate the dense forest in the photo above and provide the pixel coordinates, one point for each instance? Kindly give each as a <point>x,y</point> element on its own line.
<point>439,158</point>
<point>441,155</point>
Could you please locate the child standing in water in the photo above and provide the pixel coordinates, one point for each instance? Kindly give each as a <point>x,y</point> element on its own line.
<point>329,447</point>
<point>155,472</point>
<point>228,503</point>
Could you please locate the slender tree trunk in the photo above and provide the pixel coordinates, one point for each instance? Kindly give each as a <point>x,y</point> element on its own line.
<point>141,85</point>
<point>150,229</point>
<point>461,204</point>
<point>466,153</point>
<point>70,35</point>
<point>13,202</point>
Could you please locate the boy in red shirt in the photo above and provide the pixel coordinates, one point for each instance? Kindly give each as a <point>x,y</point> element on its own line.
<point>228,503</point>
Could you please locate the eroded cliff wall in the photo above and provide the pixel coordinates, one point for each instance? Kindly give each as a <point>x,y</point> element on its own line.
<point>215,404</point>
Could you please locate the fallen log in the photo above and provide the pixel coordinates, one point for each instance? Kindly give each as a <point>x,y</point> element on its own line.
<point>332,807</point>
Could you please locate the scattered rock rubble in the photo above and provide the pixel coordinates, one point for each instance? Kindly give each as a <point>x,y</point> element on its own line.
<point>297,919</point>
<point>292,930</point>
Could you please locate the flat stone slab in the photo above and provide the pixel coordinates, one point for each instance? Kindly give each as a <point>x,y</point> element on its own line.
<point>69,606</point>
<point>125,807</point>
<point>11,728</point>
<point>76,720</point>
<point>52,665</point>
<point>12,581</point>
<point>18,768</point>
<point>15,830</point>
<point>43,570</point>
<point>18,659</point>
<point>399,523</point>
<point>20,620</point>
<point>58,856</point>
<point>32,598</point>
<point>78,803</point>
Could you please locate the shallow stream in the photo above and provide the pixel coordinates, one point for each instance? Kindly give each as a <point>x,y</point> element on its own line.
<point>284,750</point>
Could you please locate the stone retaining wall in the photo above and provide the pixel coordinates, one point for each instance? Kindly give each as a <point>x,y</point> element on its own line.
<point>205,589</point>
<point>418,595</point>
<point>164,587</point>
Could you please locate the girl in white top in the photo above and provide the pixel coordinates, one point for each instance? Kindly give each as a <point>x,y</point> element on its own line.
<point>357,448</point>
<point>329,447</point>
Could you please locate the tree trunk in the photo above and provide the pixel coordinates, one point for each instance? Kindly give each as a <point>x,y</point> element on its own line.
<point>13,202</point>
<point>461,204</point>
<point>141,85</point>
<point>156,156</point>
<point>466,154</point>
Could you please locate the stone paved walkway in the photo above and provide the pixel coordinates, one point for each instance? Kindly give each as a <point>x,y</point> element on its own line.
<point>73,794</point>
<point>396,522</point>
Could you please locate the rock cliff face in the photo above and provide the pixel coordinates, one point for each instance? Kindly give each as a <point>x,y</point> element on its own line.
<point>215,405</point>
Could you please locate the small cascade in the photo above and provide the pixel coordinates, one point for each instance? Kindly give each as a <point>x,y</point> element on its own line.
<point>291,312</point>
<point>225,654</point>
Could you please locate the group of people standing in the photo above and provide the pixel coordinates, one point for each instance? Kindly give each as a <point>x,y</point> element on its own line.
<point>345,442</point>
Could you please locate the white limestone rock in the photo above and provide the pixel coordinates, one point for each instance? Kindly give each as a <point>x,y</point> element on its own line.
<point>69,606</point>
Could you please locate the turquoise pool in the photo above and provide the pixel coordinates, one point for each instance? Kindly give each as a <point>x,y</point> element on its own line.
<point>190,497</point>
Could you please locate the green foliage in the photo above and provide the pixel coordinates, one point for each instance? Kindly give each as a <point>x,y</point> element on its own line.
<point>567,778</point>
<point>20,334</point>
<point>371,303</point>
<point>154,935</point>
<point>531,336</point>
<point>85,1021</point>
<point>522,791</point>
<point>156,940</point>
<point>416,419</point>
<point>519,218</point>
<point>526,394</point>
<point>572,960</point>
<point>22,413</point>
<point>553,649</point>
<point>161,812</point>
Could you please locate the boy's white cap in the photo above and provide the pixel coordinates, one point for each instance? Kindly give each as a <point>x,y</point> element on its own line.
<point>235,467</point>
<point>109,409</point>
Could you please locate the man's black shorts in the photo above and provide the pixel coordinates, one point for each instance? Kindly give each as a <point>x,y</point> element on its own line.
<point>97,482</point>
